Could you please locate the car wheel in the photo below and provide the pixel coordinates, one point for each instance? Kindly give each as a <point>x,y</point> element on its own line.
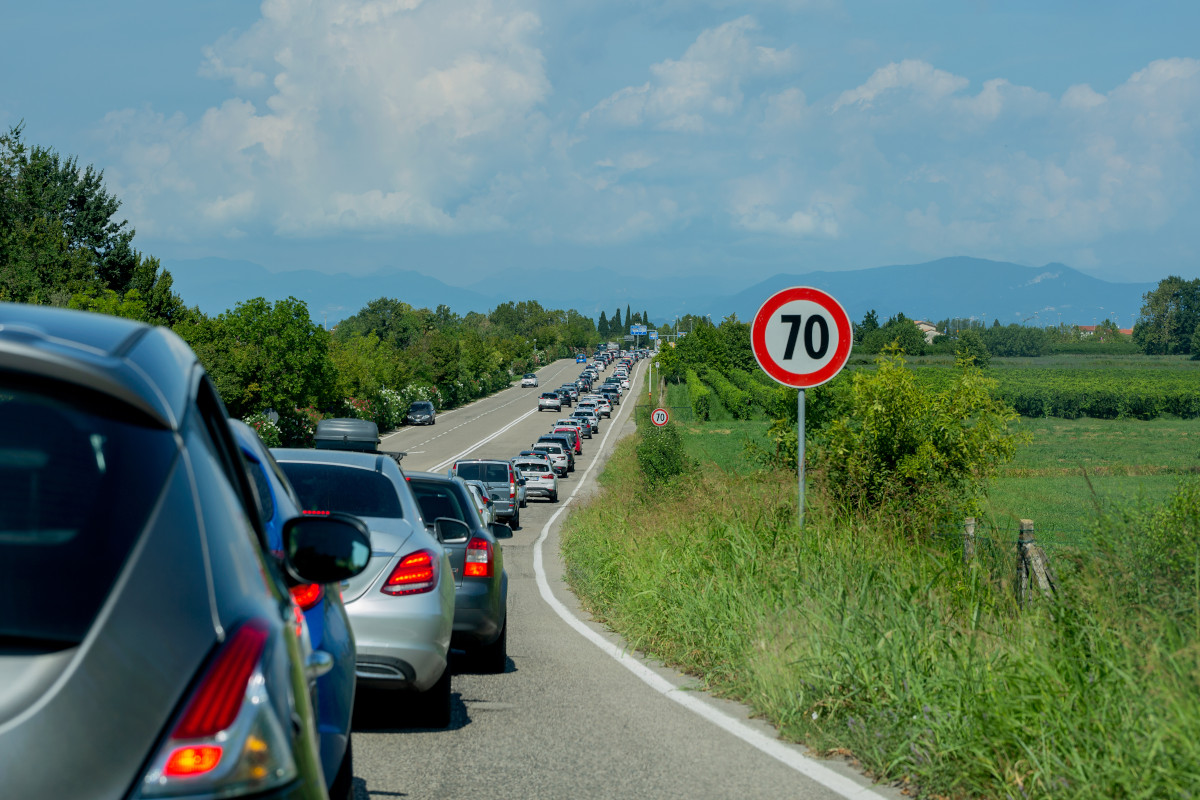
<point>515,522</point>
<point>432,706</point>
<point>342,787</point>
<point>493,658</point>
<point>554,497</point>
<point>524,502</point>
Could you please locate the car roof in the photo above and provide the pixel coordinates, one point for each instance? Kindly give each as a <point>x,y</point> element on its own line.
<point>376,462</point>
<point>148,368</point>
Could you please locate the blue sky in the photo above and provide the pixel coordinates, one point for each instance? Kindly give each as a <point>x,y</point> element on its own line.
<point>719,140</point>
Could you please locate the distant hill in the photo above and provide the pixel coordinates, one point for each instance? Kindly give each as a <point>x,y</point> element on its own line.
<point>959,287</point>
<point>962,287</point>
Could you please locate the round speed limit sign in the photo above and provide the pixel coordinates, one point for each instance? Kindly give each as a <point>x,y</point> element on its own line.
<point>659,417</point>
<point>801,337</point>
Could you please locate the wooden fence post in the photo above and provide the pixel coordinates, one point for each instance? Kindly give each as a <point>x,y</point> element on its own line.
<point>968,539</point>
<point>1033,568</point>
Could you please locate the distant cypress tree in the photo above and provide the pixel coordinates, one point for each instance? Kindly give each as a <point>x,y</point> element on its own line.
<point>602,326</point>
<point>628,319</point>
<point>615,328</point>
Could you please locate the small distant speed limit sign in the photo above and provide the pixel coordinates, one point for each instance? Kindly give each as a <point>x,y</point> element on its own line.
<point>659,417</point>
<point>801,337</point>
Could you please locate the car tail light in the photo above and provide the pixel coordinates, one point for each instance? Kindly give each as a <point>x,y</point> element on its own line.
<point>307,595</point>
<point>479,558</point>
<point>551,475</point>
<point>416,573</point>
<point>311,513</point>
<point>229,739</point>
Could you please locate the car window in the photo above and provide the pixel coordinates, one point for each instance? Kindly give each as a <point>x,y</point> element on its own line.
<point>334,487</point>
<point>265,502</point>
<point>63,459</point>
<point>488,473</point>
<point>439,499</point>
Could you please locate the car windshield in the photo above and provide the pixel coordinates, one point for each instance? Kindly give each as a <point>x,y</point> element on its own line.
<point>339,487</point>
<point>530,375</point>
<point>62,461</point>
<point>422,407</point>
<point>481,471</point>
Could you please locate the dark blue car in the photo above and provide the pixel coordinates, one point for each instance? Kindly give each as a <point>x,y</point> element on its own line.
<point>328,626</point>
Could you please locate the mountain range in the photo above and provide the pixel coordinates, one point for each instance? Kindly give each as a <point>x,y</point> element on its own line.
<point>949,287</point>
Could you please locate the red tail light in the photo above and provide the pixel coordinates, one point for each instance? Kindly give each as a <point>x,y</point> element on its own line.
<point>216,701</point>
<point>479,558</point>
<point>315,513</point>
<point>307,595</point>
<point>416,573</point>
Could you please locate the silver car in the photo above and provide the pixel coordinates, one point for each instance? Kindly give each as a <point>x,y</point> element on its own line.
<point>401,606</point>
<point>540,478</point>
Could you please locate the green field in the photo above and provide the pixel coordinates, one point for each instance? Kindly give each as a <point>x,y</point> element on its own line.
<point>1070,468</point>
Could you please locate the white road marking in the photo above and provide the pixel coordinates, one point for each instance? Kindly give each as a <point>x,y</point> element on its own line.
<point>692,701</point>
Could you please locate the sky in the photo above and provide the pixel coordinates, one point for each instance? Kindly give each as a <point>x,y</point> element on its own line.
<point>704,140</point>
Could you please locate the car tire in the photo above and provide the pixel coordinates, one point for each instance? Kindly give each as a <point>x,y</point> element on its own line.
<point>493,658</point>
<point>432,706</point>
<point>524,503</point>
<point>342,787</point>
<point>554,497</point>
<point>515,522</point>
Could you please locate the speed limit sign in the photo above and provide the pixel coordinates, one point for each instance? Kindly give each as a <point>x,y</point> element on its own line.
<point>659,417</point>
<point>801,337</point>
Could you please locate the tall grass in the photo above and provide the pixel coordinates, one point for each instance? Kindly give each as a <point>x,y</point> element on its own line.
<point>856,637</point>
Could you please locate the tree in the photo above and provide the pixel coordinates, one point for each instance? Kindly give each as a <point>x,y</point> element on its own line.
<point>1169,315</point>
<point>615,328</point>
<point>1196,343</point>
<point>628,320</point>
<point>970,346</point>
<point>870,322</point>
<point>265,356</point>
<point>899,331</point>
<point>602,326</point>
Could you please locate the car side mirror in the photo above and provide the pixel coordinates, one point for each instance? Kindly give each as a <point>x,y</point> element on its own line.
<point>450,530</point>
<point>326,549</point>
<point>521,482</point>
<point>500,531</point>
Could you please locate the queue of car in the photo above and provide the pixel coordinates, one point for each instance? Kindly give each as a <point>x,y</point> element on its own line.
<point>330,573</point>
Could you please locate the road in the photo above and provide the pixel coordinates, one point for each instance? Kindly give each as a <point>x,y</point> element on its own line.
<point>566,719</point>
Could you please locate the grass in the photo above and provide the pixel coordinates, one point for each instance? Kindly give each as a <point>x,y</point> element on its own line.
<point>1071,469</point>
<point>853,639</point>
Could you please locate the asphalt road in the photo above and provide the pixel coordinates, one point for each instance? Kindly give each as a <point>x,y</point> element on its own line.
<point>567,719</point>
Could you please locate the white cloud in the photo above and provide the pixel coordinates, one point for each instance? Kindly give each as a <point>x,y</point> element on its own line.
<point>347,115</point>
<point>920,79</point>
<point>686,94</point>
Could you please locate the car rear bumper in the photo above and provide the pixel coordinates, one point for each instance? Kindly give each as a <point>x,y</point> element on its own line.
<point>401,641</point>
<point>478,616</point>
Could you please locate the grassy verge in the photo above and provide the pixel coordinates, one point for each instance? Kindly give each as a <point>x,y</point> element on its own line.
<point>855,639</point>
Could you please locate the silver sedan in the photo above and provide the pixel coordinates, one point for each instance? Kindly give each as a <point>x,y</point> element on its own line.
<point>401,607</point>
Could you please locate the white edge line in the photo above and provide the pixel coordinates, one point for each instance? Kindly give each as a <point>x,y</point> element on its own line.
<point>690,700</point>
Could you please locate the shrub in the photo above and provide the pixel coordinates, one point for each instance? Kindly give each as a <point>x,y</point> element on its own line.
<point>903,444</point>
<point>661,456</point>
<point>267,430</point>
<point>699,396</point>
<point>970,345</point>
<point>737,401</point>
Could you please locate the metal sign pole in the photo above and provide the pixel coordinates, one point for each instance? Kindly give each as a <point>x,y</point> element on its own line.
<point>800,449</point>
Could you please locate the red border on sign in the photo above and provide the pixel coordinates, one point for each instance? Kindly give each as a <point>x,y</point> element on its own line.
<point>667,417</point>
<point>758,337</point>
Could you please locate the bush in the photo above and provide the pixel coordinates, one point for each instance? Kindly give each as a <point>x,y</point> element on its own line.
<point>737,401</point>
<point>699,396</point>
<point>660,455</point>
<point>267,430</point>
<point>970,345</point>
<point>905,445</point>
